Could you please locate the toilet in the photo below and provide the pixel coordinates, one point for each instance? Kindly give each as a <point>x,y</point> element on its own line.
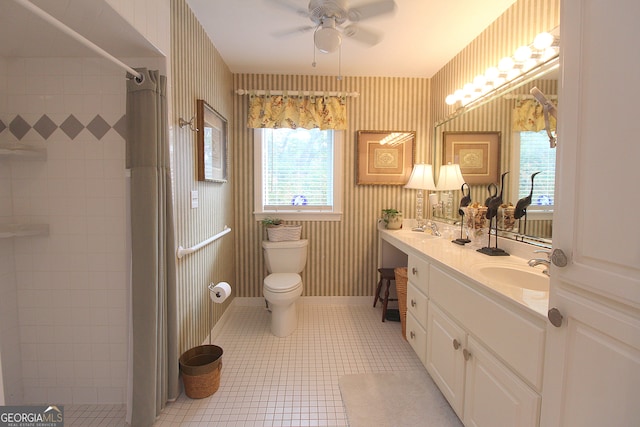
<point>283,286</point>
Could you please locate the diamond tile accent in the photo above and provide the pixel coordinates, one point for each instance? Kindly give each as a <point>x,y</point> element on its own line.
<point>121,127</point>
<point>45,126</point>
<point>98,127</point>
<point>71,126</point>
<point>19,127</point>
<point>2,126</point>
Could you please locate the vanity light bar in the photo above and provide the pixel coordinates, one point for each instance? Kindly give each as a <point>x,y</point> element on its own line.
<point>544,47</point>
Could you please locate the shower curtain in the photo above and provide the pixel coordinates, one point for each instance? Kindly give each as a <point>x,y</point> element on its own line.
<point>154,348</point>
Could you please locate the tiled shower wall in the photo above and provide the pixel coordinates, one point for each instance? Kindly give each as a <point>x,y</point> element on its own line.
<point>71,286</point>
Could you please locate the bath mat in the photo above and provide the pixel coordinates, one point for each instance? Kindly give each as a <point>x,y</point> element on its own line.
<point>395,399</point>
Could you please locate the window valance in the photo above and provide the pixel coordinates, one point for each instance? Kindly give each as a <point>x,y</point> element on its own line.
<point>297,111</point>
<point>528,115</point>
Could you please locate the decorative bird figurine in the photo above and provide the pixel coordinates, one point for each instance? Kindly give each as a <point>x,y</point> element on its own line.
<point>523,204</point>
<point>464,202</point>
<point>493,194</point>
<point>492,211</point>
<point>466,196</point>
<point>495,202</point>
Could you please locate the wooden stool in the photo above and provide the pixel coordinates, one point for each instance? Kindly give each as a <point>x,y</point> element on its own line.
<point>386,275</point>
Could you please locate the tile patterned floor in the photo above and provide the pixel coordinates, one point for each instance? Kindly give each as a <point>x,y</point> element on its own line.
<point>292,381</point>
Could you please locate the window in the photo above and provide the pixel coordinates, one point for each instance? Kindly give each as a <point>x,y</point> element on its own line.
<point>533,154</point>
<point>298,174</point>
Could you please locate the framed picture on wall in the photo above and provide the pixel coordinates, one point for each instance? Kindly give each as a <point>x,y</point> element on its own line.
<point>212,143</point>
<point>385,157</point>
<point>477,153</point>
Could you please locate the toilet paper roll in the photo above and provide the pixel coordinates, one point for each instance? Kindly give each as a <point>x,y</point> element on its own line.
<point>219,292</point>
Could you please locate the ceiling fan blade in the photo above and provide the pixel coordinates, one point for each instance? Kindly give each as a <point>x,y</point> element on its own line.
<point>369,10</point>
<point>362,35</point>
<point>292,31</point>
<point>291,6</point>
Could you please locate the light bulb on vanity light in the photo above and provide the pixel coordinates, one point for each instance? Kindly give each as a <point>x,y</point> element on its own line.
<point>543,41</point>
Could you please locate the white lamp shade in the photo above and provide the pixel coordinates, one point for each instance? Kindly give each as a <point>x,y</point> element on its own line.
<point>421,177</point>
<point>450,177</point>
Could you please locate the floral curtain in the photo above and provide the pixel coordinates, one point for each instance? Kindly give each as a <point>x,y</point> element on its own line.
<point>528,115</point>
<point>297,111</point>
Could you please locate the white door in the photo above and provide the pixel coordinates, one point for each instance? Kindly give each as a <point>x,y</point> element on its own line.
<point>592,361</point>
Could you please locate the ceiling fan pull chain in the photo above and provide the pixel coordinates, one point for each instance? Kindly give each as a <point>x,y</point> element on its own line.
<point>340,63</point>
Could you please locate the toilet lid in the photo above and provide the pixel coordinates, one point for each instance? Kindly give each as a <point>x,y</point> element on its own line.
<point>282,282</point>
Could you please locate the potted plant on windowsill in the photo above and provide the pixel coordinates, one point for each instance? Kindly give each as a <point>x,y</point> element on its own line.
<point>392,219</point>
<point>278,232</point>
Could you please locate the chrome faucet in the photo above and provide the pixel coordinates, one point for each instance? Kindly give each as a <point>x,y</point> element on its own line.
<point>434,228</point>
<point>537,261</point>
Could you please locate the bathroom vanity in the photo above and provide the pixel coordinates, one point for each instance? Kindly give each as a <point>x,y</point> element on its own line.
<point>477,323</point>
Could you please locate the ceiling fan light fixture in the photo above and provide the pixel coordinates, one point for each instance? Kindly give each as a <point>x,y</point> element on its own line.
<point>327,39</point>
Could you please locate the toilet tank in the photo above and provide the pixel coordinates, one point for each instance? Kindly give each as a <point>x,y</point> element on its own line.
<point>285,257</point>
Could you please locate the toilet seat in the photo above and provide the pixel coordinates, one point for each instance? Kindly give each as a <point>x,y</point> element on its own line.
<point>282,282</point>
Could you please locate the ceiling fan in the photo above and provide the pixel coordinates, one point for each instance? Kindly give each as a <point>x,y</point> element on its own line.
<point>333,19</point>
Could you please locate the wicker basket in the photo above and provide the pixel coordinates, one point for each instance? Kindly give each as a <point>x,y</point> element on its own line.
<point>281,233</point>
<point>201,367</point>
<point>401,290</point>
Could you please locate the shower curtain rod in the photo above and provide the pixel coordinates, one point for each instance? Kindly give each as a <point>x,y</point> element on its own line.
<point>77,36</point>
<point>295,92</point>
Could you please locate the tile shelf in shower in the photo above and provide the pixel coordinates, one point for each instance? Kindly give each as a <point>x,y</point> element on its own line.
<point>23,230</point>
<point>16,150</point>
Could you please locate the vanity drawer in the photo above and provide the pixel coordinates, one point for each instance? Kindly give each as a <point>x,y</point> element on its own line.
<point>510,334</point>
<point>417,304</point>
<point>418,273</point>
<point>417,337</point>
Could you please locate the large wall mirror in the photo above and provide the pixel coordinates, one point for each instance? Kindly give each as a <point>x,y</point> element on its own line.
<point>521,153</point>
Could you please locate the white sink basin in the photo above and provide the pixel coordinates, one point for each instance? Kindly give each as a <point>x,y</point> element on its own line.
<point>512,275</point>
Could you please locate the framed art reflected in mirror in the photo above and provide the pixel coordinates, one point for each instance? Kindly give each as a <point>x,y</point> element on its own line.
<point>385,157</point>
<point>212,141</point>
<point>477,153</point>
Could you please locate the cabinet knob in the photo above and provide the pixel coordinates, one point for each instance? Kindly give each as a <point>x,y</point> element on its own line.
<point>456,344</point>
<point>412,334</point>
<point>414,271</point>
<point>413,302</point>
<point>555,317</point>
<point>467,354</point>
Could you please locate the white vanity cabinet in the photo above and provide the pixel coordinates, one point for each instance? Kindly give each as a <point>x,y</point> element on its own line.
<point>417,291</point>
<point>485,357</point>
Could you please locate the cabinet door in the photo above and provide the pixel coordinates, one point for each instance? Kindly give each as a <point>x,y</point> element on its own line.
<point>445,362</point>
<point>592,360</point>
<point>417,337</point>
<point>495,396</point>
<point>417,304</point>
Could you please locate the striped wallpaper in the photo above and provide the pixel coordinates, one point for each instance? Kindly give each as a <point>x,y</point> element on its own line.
<point>198,72</point>
<point>342,255</point>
